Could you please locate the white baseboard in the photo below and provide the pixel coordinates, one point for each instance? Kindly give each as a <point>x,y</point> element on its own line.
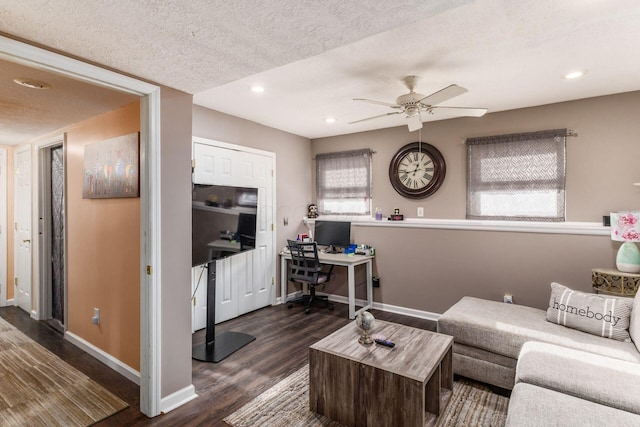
<point>421,314</point>
<point>34,315</point>
<point>115,364</point>
<point>178,398</point>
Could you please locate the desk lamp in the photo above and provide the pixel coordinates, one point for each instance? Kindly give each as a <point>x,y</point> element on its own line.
<point>625,227</point>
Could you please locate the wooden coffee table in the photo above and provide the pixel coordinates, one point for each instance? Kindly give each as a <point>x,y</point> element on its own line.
<point>357,385</point>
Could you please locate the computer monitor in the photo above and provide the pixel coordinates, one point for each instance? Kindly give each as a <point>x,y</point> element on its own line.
<point>332,234</point>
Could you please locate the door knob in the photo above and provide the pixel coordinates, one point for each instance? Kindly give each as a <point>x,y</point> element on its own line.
<point>26,241</point>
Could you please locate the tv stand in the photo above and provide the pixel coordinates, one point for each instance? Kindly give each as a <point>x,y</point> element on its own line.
<point>214,349</point>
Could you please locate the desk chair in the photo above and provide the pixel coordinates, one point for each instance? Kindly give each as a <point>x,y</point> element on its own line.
<point>306,268</point>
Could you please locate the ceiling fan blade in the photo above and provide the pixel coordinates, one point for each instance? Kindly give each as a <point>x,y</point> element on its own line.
<point>414,122</point>
<point>371,101</point>
<point>443,95</point>
<point>375,117</point>
<point>463,111</point>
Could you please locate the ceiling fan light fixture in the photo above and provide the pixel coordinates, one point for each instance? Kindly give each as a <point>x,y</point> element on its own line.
<point>412,104</point>
<point>31,83</point>
<point>575,74</point>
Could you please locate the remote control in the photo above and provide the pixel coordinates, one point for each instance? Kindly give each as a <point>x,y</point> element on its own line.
<point>386,343</point>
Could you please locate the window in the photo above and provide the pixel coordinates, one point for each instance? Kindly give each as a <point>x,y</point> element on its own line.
<point>517,177</point>
<point>343,182</point>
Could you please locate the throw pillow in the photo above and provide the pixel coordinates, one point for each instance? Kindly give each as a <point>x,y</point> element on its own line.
<point>634,323</point>
<point>596,314</point>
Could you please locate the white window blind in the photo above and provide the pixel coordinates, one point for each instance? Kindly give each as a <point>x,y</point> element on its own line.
<point>518,177</point>
<point>343,182</point>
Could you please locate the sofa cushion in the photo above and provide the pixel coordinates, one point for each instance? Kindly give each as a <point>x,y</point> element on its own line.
<point>482,365</point>
<point>533,406</point>
<point>634,322</point>
<point>596,314</point>
<point>585,375</point>
<point>503,328</point>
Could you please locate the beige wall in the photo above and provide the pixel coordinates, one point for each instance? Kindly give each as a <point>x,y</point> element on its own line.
<point>430,269</point>
<point>293,163</point>
<point>103,241</point>
<point>175,269</point>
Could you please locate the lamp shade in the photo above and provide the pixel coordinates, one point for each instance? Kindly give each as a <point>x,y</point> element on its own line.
<point>625,226</point>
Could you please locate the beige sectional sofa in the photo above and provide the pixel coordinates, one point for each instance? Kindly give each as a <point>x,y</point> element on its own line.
<point>559,375</point>
<point>556,385</point>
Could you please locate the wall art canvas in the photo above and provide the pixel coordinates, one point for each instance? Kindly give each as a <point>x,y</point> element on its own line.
<point>111,168</point>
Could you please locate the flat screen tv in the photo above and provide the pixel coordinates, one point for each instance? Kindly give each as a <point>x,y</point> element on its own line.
<point>223,221</point>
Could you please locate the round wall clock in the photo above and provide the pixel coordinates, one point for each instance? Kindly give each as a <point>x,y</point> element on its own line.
<point>417,170</point>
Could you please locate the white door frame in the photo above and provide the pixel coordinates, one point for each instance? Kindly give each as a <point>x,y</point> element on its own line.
<point>42,198</point>
<point>150,191</point>
<point>3,227</point>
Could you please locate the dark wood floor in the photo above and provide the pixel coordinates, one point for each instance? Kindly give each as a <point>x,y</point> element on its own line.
<point>281,347</point>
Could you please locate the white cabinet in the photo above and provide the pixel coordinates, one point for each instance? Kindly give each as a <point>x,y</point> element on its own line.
<point>244,281</point>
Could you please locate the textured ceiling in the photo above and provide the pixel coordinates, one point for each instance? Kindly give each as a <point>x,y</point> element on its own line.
<point>508,54</point>
<point>26,113</point>
<point>193,45</point>
<point>314,57</point>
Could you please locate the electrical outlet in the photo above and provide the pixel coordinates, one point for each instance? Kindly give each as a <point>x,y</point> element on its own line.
<point>420,212</point>
<point>96,316</point>
<point>508,298</point>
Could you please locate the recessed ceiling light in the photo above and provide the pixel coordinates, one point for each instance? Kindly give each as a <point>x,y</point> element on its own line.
<point>330,120</point>
<point>575,74</point>
<point>32,84</point>
<point>257,89</point>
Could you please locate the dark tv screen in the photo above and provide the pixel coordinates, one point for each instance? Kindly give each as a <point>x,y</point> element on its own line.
<point>223,221</point>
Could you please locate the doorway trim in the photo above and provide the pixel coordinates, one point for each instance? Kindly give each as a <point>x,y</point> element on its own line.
<point>42,156</point>
<point>3,227</point>
<point>150,191</point>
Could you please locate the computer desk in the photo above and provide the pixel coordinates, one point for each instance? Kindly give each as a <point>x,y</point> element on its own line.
<point>349,261</point>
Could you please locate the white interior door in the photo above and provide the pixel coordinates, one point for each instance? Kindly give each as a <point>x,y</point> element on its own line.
<point>244,282</point>
<point>259,265</point>
<point>22,209</point>
<point>3,227</point>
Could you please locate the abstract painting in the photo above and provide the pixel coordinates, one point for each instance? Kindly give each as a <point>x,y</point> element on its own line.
<point>111,168</point>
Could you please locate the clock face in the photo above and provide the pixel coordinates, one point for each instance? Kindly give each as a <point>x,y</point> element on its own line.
<point>417,170</point>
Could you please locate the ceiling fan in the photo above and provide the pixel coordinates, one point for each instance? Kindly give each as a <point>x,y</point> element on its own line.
<point>413,104</point>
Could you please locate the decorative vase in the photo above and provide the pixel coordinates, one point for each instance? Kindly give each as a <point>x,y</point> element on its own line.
<point>628,258</point>
<point>365,322</point>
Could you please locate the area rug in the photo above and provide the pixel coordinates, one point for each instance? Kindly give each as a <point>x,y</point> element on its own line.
<point>287,404</point>
<point>37,388</point>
